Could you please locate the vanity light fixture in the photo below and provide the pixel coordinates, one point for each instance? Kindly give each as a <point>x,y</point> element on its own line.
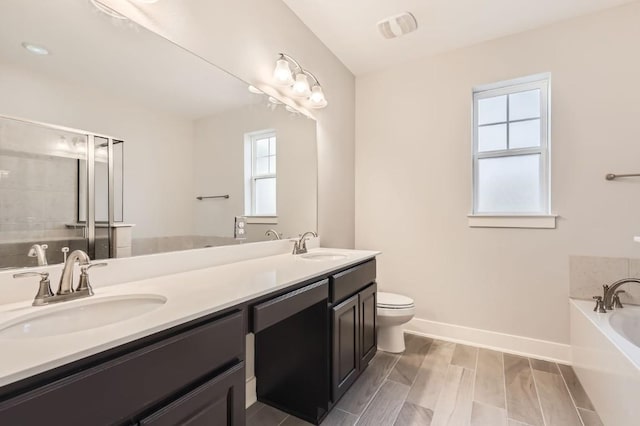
<point>255,90</point>
<point>35,49</point>
<point>298,81</point>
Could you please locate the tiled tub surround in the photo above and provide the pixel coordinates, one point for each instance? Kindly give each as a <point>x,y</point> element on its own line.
<point>587,275</point>
<point>607,364</point>
<point>190,295</point>
<point>44,186</point>
<point>442,383</point>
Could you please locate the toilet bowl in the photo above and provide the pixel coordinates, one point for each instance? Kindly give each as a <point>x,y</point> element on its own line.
<point>394,311</point>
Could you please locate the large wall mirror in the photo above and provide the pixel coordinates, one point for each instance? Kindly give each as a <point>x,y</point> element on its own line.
<point>114,140</point>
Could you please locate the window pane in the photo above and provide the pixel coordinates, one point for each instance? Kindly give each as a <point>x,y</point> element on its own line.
<point>272,164</point>
<point>262,147</point>
<point>272,146</point>
<point>509,184</point>
<point>265,197</point>
<point>492,110</point>
<point>262,166</point>
<point>524,105</point>
<point>492,138</point>
<point>524,134</point>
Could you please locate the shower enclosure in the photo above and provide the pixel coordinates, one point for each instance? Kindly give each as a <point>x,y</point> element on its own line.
<point>60,188</point>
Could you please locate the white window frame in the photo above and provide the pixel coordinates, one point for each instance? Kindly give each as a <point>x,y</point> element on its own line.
<point>536,219</point>
<point>251,139</point>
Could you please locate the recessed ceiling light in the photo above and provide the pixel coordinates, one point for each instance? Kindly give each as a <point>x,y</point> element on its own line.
<point>35,49</point>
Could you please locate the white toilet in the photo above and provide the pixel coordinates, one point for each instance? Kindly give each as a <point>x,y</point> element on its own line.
<point>394,310</point>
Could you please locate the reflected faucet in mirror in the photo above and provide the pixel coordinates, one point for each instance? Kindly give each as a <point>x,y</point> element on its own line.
<point>39,251</point>
<point>273,233</point>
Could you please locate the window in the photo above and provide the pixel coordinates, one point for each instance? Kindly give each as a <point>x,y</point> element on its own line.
<point>261,184</point>
<point>511,148</point>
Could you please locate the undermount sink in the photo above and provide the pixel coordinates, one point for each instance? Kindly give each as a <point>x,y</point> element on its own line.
<point>69,317</point>
<point>324,256</point>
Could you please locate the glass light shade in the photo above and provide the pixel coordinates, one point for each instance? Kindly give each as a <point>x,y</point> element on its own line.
<point>317,96</point>
<point>301,86</point>
<point>282,73</point>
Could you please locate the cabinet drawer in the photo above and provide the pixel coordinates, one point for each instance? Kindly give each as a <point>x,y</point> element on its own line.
<point>121,388</point>
<point>275,310</point>
<point>220,401</point>
<point>348,282</point>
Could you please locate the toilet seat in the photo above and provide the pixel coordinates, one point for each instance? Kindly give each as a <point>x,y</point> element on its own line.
<point>394,301</point>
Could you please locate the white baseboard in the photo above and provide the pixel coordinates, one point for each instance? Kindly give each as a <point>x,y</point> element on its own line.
<point>518,345</point>
<point>250,394</point>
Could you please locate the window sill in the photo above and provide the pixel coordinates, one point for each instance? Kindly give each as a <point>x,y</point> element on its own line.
<point>268,220</point>
<point>512,221</point>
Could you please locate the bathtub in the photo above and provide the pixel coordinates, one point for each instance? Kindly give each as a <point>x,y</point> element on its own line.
<point>605,350</point>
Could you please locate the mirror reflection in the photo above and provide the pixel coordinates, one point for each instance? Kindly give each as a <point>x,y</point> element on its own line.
<point>105,146</point>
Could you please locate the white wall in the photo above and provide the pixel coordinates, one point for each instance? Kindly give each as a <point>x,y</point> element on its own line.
<point>164,139</point>
<point>245,37</point>
<point>413,174</point>
<point>219,168</point>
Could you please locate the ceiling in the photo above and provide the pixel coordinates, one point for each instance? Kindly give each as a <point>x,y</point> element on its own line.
<point>92,50</point>
<point>348,27</point>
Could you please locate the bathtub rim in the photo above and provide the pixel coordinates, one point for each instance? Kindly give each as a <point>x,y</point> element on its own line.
<point>602,323</point>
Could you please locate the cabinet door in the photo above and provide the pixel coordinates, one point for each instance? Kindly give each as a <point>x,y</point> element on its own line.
<point>368,342</point>
<point>346,345</point>
<point>218,402</point>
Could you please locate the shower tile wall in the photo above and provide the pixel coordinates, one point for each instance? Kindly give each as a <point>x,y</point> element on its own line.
<point>587,275</point>
<point>38,197</point>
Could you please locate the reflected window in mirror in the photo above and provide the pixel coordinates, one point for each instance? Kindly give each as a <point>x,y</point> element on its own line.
<point>261,186</point>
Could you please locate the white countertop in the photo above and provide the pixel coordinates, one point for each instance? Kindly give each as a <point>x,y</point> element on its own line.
<point>190,295</point>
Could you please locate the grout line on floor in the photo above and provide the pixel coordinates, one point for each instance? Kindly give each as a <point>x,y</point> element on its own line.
<point>570,394</point>
<point>535,386</point>
<point>386,377</point>
<point>504,381</point>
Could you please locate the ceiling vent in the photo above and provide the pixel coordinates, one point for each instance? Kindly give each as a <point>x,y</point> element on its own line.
<point>398,25</point>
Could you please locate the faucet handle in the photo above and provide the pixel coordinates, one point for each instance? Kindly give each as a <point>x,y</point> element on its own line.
<point>599,305</point>
<point>44,291</point>
<point>85,268</point>
<point>42,275</point>
<point>65,252</point>
<point>616,299</point>
<point>84,285</point>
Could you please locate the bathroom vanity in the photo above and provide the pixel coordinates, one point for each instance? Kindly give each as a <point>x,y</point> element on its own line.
<point>184,362</point>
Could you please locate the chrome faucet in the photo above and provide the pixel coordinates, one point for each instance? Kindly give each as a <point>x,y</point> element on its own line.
<point>611,298</point>
<point>66,279</point>
<point>273,233</point>
<point>65,288</point>
<point>300,246</point>
<point>39,251</point>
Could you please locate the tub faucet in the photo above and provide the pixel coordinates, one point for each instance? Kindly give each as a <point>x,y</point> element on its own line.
<point>300,246</point>
<point>611,298</point>
<point>39,251</point>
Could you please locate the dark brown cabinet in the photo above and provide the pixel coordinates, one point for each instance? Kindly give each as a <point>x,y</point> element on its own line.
<point>218,402</point>
<point>353,325</point>
<point>367,304</point>
<point>346,345</point>
<point>129,384</point>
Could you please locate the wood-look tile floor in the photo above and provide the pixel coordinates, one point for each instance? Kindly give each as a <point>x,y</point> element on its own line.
<point>441,383</point>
